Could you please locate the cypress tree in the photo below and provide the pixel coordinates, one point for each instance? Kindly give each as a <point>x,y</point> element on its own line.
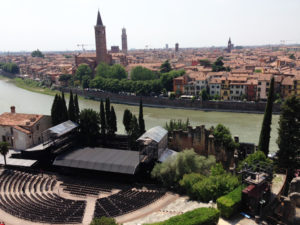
<point>102,119</point>
<point>72,110</point>
<point>288,140</point>
<point>127,116</point>
<point>54,112</point>
<point>107,114</point>
<point>264,138</point>
<point>113,121</point>
<point>134,132</point>
<point>64,110</point>
<point>141,119</point>
<point>77,111</point>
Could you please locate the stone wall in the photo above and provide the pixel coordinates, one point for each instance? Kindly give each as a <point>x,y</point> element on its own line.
<point>258,107</point>
<point>202,141</point>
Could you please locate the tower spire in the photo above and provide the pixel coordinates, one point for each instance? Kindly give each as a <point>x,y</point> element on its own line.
<point>99,20</point>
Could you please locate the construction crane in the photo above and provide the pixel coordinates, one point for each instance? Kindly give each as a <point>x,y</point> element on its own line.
<point>83,46</point>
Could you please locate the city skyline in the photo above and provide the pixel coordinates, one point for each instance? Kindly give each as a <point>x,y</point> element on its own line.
<point>62,25</point>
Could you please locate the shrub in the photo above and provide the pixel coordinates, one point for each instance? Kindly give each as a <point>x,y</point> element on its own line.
<point>103,221</point>
<point>217,184</point>
<point>253,159</point>
<point>173,169</point>
<point>230,203</point>
<point>207,216</point>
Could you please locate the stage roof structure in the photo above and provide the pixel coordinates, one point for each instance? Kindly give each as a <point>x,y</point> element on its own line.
<point>155,133</point>
<point>62,128</point>
<point>100,159</point>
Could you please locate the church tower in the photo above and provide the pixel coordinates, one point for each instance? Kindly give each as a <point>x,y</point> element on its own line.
<point>100,36</point>
<point>229,47</point>
<point>124,41</point>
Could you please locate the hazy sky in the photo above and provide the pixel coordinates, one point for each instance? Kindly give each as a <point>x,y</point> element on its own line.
<point>62,24</point>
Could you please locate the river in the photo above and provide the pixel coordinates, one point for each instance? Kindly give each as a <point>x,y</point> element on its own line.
<point>247,126</point>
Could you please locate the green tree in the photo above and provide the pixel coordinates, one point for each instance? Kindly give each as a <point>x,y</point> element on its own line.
<point>205,63</point>
<point>292,56</point>
<point>71,109</point>
<point>165,67</point>
<point>103,221</point>
<point>141,119</point>
<point>64,109</point>
<point>102,119</point>
<point>89,127</point>
<point>133,132</point>
<point>204,95</point>
<point>118,72</point>
<point>85,81</point>
<point>4,150</point>
<point>77,110</point>
<point>288,140</point>
<point>113,122</point>
<point>171,171</point>
<point>254,159</point>
<point>54,111</point>
<point>127,116</point>
<point>223,139</point>
<point>37,53</point>
<point>107,115</point>
<point>264,138</point>
<point>218,65</point>
<point>83,70</point>
<point>103,70</point>
<point>142,73</point>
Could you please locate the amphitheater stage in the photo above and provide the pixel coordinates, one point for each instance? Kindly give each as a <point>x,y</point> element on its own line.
<point>15,161</point>
<point>100,159</point>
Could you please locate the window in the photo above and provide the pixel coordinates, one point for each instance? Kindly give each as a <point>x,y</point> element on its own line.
<point>218,86</point>
<point>11,131</point>
<point>268,84</point>
<point>212,86</point>
<point>231,92</point>
<point>3,138</point>
<point>37,127</point>
<point>212,92</point>
<point>237,92</point>
<point>267,89</point>
<point>258,89</point>
<point>259,83</point>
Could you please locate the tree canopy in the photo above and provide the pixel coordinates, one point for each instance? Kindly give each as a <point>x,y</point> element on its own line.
<point>205,63</point>
<point>218,65</point>
<point>89,127</point>
<point>37,53</point>
<point>288,155</point>
<point>83,70</point>
<point>264,138</point>
<point>165,67</point>
<point>141,119</point>
<point>115,71</point>
<point>174,168</point>
<point>142,73</point>
<point>10,67</point>
<point>59,111</point>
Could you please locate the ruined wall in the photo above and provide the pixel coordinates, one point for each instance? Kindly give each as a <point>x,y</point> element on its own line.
<point>202,141</point>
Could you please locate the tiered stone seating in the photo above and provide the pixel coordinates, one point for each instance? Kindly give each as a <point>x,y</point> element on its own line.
<point>125,201</point>
<point>31,197</point>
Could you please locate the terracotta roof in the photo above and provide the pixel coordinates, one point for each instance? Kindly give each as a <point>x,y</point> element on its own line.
<point>19,119</point>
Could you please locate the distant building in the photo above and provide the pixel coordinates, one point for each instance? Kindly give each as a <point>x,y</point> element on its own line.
<point>176,47</point>
<point>229,46</point>
<point>115,49</point>
<point>124,41</point>
<point>22,131</point>
<point>167,46</point>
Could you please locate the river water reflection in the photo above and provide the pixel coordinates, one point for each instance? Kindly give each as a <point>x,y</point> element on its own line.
<point>246,126</point>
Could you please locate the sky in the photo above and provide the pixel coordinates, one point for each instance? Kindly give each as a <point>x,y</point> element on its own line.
<point>59,25</point>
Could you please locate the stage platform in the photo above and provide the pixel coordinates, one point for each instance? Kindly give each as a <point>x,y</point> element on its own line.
<point>100,159</point>
<point>16,162</point>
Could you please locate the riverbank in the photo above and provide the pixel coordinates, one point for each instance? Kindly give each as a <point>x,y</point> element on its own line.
<point>209,106</point>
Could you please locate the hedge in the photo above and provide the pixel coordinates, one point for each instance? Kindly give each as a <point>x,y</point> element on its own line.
<point>230,203</point>
<point>200,216</point>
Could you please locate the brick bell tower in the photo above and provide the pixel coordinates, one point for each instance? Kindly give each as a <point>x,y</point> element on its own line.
<point>124,41</point>
<point>100,37</point>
